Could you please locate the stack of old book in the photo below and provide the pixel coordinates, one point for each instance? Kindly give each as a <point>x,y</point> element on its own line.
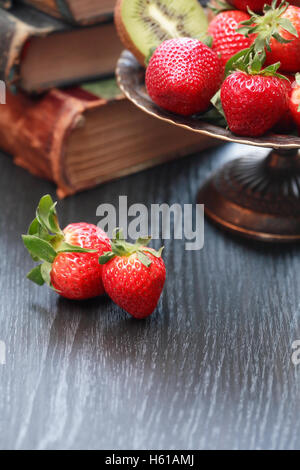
<point>64,118</point>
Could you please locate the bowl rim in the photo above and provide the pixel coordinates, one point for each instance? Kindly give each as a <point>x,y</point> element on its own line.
<point>129,74</point>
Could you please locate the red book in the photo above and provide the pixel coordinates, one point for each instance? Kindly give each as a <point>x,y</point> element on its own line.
<point>81,137</point>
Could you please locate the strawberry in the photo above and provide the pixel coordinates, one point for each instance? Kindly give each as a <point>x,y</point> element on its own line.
<point>253,104</point>
<point>226,40</point>
<point>278,34</point>
<point>69,258</point>
<point>288,54</point>
<point>183,75</point>
<point>256,5</point>
<point>294,102</point>
<point>133,275</point>
<point>286,122</point>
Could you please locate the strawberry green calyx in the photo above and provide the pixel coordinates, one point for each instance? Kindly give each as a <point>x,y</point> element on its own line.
<point>119,247</point>
<point>218,6</point>
<point>265,28</point>
<point>150,54</point>
<point>45,240</point>
<point>268,26</point>
<point>208,41</point>
<point>251,62</point>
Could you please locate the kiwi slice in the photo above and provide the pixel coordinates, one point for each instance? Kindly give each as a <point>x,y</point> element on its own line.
<point>144,24</point>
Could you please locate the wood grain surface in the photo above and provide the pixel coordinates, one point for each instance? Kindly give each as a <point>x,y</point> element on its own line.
<point>211,369</point>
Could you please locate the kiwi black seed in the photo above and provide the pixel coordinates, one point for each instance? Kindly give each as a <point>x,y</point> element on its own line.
<point>144,24</point>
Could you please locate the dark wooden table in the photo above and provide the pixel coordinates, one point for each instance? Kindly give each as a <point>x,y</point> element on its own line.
<point>210,369</point>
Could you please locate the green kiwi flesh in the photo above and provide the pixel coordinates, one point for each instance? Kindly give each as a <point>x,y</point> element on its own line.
<point>150,22</point>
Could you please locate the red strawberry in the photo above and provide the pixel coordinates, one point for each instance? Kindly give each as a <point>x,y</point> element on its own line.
<point>183,75</point>
<point>256,5</point>
<point>85,270</point>
<point>294,103</point>
<point>278,33</point>
<point>70,257</point>
<point>226,40</point>
<point>286,122</point>
<point>287,54</point>
<point>253,103</point>
<point>133,276</point>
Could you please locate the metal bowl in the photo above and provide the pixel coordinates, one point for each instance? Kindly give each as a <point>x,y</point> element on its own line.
<point>253,197</point>
<point>131,79</point>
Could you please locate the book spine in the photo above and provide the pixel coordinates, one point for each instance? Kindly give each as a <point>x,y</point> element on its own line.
<point>14,34</point>
<point>57,8</point>
<point>35,133</point>
<point>65,10</point>
<point>10,45</point>
<point>62,10</point>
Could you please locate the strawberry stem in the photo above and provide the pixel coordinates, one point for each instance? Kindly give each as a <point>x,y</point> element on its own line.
<point>219,6</point>
<point>251,62</point>
<point>45,239</point>
<point>265,27</point>
<point>268,26</point>
<point>120,247</point>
